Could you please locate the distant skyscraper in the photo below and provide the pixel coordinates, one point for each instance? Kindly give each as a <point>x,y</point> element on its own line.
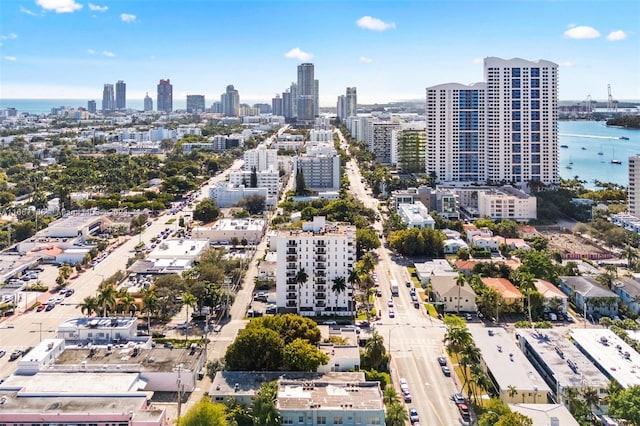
<point>294,99</point>
<point>276,105</point>
<point>287,106</point>
<point>216,107</point>
<point>107,98</point>
<point>165,96</point>
<point>316,98</point>
<point>501,130</point>
<point>195,103</point>
<point>306,93</point>
<point>121,95</point>
<point>352,101</point>
<point>91,106</point>
<point>230,101</point>
<point>148,103</point>
<point>341,107</point>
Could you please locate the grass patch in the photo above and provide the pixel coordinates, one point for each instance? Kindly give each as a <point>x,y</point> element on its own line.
<point>431,310</point>
<point>170,221</point>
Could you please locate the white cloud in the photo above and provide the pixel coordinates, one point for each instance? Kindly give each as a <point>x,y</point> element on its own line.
<point>109,54</point>
<point>566,64</point>
<point>27,11</point>
<point>10,36</point>
<point>296,53</point>
<point>91,51</point>
<point>365,59</point>
<point>97,8</point>
<point>374,24</point>
<point>59,6</point>
<point>617,35</point>
<point>10,58</point>
<point>582,32</point>
<point>127,17</point>
<point>477,60</point>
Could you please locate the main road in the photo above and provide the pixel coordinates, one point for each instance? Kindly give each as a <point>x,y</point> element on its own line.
<point>413,338</point>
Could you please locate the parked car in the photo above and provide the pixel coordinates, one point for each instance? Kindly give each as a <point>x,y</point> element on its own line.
<point>50,306</point>
<point>40,308</point>
<point>392,314</point>
<point>69,292</point>
<point>442,361</point>
<point>407,396</point>
<point>330,322</point>
<point>446,371</point>
<point>458,398</point>
<point>2,353</point>
<point>413,415</point>
<point>15,355</point>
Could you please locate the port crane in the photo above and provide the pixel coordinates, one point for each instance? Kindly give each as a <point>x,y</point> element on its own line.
<point>612,105</point>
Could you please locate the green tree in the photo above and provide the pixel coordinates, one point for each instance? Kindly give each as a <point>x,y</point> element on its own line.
<point>107,299</point>
<point>396,415</point>
<point>366,240</point>
<point>189,301</point>
<point>375,352</point>
<point>301,279</point>
<point>254,177</point>
<point>263,408</point>
<point>625,405</point>
<point>460,282</point>
<point>205,412</point>
<point>339,286</point>
<point>390,396</point>
<point>300,355</point>
<point>290,327</point>
<point>254,203</point>
<point>206,211</point>
<point>255,349</point>
<point>89,306</point>
<point>301,187</point>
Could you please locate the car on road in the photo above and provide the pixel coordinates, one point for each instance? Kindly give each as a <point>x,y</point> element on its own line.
<point>49,307</point>
<point>407,283</point>
<point>15,355</point>
<point>58,300</point>
<point>41,308</point>
<point>446,371</point>
<point>364,324</point>
<point>392,314</point>
<point>329,322</point>
<point>390,303</point>
<point>468,317</point>
<point>458,398</point>
<point>413,415</point>
<point>69,292</point>
<point>407,396</point>
<point>379,293</point>
<point>2,353</point>
<point>442,361</point>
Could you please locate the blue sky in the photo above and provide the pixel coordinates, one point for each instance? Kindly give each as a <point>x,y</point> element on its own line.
<point>389,50</point>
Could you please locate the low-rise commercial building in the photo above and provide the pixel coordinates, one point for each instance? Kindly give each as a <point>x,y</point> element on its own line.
<point>416,215</point>
<point>172,256</point>
<point>227,195</point>
<point>516,380</point>
<point>225,230</point>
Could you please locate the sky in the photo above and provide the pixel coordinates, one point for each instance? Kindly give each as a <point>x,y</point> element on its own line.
<point>389,50</point>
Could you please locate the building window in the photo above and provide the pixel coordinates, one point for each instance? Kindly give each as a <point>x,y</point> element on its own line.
<point>515,94</point>
<point>515,72</point>
<point>373,421</point>
<point>515,83</point>
<point>534,72</point>
<point>337,420</point>
<point>300,419</point>
<point>287,420</point>
<point>322,420</point>
<point>515,115</point>
<point>515,104</point>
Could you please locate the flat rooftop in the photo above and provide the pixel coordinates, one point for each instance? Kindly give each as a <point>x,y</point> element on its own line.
<point>541,414</point>
<point>299,395</point>
<point>555,350</point>
<point>505,360</point>
<point>70,405</point>
<point>239,225</point>
<point>76,221</point>
<point>178,248</point>
<point>99,322</point>
<point>124,359</point>
<point>79,383</point>
<point>610,353</point>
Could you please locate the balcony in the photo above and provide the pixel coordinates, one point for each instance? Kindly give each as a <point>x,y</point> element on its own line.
<point>291,251</point>
<point>321,274</point>
<point>320,281</point>
<point>292,266</point>
<point>321,305</point>
<point>291,274</point>
<point>321,250</point>
<point>321,258</point>
<point>291,304</point>
<point>292,244</point>
<point>292,296</point>
<point>291,258</point>
<point>319,243</point>
<point>321,288</point>
<point>292,288</point>
<point>320,266</point>
<point>321,296</point>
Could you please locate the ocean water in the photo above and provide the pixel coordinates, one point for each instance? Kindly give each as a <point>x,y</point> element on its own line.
<point>596,137</point>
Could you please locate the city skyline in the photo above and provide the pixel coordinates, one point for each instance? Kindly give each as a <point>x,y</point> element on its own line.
<point>390,51</point>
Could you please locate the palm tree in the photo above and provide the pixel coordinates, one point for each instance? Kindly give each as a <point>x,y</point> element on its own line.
<point>396,415</point>
<point>512,391</point>
<point>354,280</point>
<point>469,355</point>
<point>367,263</point>
<point>188,300</point>
<point>460,281</point>
<point>375,350</point>
<point>263,407</point>
<point>89,305</point>
<point>631,255</point>
<point>339,286</point>
<point>390,396</point>
<point>107,299</point>
<point>367,283</point>
<point>590,396</point>
<point>301,278</point>
<point>456,339</point>
<point>149,304</point>
<point>127,303</point>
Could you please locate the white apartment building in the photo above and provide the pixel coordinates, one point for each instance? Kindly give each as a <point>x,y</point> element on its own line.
<point>634,185</point>
<point>416,215</point>
<point>261,157</point>
<point>378,139</point>
<point>227,195</point>
<point>507,203</point>
<point>324,251</point>
<point>501,130</point>
<point>224,230</point>
<point>269,178</point>
<point>318,135</point>
<point>357,126</point>
<point>320,168</point>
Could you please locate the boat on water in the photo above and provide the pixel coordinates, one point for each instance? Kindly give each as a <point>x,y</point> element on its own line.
<point>584,149</point>
<point>624,138</point>
<point>569,166</point>
<point>564,146</point>
<point>616,162</point>
<point>601,153</point>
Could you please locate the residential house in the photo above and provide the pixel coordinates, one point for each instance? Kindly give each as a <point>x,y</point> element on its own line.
<point>552,296</point>
<point>451,296</point>
<point>629,291</point>
<point>590,297</point>
<point>507,291</point>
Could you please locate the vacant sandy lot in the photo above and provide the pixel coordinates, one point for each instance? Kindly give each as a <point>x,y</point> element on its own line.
<point>569,243</point>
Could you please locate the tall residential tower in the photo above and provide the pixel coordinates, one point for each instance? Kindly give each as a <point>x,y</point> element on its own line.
<point>108,103</point>
<point>306,93</point>
<point>503,130</point>
<point>121,95</point>
<point>165,96</point>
